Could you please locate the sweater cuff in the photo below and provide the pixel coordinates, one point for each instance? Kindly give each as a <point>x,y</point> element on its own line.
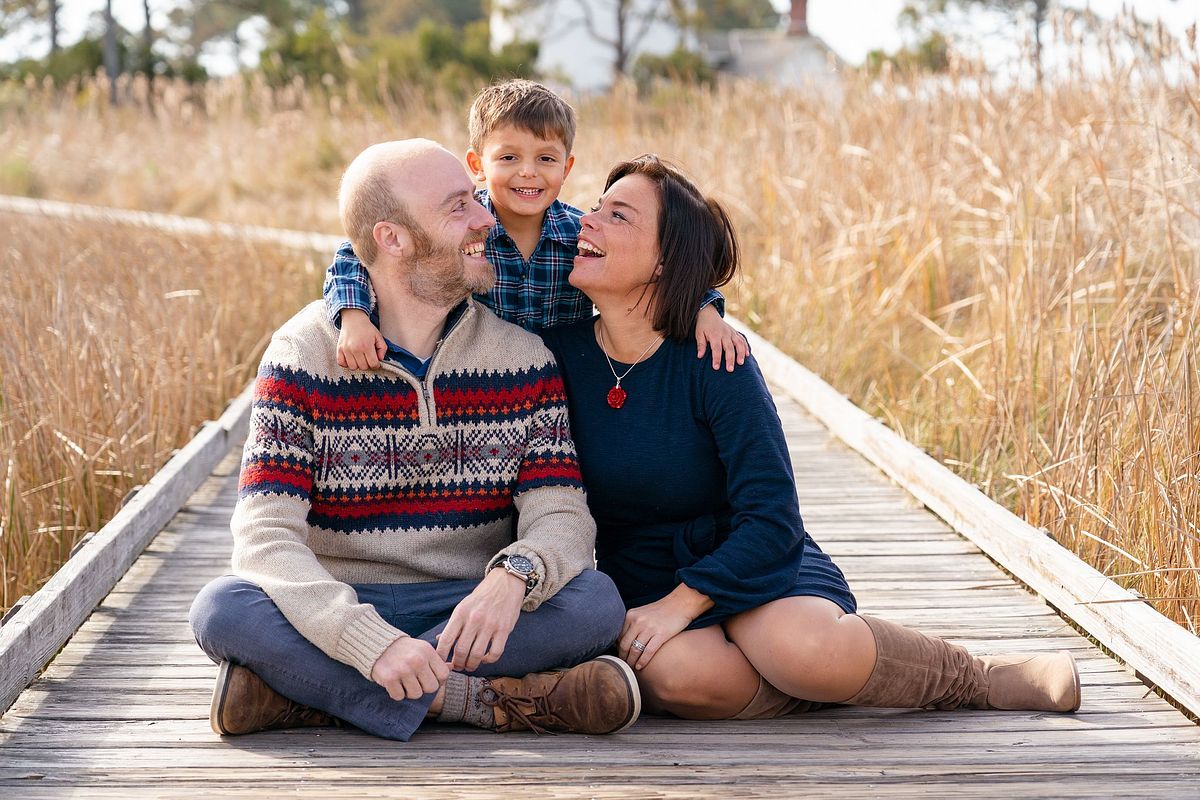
<point>364,640</point>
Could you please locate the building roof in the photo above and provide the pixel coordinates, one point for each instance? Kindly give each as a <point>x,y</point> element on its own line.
<point>772,55</point>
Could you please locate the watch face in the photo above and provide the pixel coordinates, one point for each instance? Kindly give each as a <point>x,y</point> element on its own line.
<point>521,564</point>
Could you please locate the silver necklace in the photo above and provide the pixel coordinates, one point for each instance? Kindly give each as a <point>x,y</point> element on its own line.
<point>617,395</point>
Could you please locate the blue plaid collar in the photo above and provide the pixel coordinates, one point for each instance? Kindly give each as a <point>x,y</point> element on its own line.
<point>558,224</point>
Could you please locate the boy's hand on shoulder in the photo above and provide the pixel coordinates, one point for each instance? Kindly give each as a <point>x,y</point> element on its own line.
<point>360,344</point>
<point>714,332</point>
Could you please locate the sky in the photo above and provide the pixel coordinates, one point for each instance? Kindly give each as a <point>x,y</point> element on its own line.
<point>851,27</point>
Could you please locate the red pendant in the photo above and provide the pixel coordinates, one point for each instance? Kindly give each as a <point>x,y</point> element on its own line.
<point>616,397</point>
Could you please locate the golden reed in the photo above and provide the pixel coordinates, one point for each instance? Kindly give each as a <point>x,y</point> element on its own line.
<point>1006,275</point>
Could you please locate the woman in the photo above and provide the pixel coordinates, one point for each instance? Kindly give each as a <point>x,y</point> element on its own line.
<point>733,610</point>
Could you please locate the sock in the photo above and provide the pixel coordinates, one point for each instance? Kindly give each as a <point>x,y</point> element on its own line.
<point>461,702</point>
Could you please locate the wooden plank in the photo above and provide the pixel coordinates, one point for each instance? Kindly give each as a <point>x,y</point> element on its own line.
<point>31,637</point>
<point>1165,653</point>
<point>390,768</point>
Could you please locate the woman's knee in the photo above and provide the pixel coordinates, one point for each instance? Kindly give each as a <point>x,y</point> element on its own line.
<point>712,681</point>
<point>802,631</point>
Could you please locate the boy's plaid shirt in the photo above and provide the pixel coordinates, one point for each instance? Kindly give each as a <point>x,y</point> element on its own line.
<point>533,294</point>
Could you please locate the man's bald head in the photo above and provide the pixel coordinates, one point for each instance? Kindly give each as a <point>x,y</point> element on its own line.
<point>382,184</point>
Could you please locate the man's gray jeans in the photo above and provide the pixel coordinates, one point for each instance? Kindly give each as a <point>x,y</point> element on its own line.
<point>234,620</point>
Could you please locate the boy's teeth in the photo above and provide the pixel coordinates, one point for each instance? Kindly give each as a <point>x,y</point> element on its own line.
<point>528,192</point>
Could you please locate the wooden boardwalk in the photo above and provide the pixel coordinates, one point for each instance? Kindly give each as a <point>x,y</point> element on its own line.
<point>123,710</point>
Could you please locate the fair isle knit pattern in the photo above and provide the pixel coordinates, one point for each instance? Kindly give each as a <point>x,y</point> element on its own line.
<point>377,477</point>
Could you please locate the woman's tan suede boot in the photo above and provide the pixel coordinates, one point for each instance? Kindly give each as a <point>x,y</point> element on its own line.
<point>913,670</point>
<point>769,703</point>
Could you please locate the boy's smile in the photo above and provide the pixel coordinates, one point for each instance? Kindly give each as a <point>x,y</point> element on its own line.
<point>524,173</point>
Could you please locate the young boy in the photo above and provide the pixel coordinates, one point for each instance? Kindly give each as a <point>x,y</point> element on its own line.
<point>521,138</point>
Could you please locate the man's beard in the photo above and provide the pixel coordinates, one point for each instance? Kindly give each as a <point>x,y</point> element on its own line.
<point>440,275</point>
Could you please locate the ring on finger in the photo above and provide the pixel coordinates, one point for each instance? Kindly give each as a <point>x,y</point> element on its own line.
<point>638,645</point>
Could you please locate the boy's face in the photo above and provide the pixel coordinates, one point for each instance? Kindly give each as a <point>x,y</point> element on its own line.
<point>523,173</point>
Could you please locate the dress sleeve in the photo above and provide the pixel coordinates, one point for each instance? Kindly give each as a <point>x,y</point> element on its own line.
<point>760,558</point>
<point>346,285</point>
<point>270,522</point>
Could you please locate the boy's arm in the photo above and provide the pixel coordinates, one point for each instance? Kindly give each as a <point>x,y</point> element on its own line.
<point>716,300</point>
<point>348,289</point>
<point>712,330</point>
<point>346,284</point>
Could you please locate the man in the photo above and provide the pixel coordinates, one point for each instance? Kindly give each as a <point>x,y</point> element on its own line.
<point>404,537</point>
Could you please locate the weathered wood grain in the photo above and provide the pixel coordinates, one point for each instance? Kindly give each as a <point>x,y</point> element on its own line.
<point>122,711</point>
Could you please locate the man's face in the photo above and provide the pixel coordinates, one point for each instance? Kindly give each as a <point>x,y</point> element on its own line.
<point>447,260</point>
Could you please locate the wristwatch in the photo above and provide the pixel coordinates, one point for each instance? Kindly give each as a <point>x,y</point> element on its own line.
<point>523,568</point>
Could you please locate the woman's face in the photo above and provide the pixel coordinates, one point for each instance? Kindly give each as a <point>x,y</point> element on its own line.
<point>618,241</point>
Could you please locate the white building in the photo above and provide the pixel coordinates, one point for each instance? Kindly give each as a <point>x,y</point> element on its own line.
<point>579,40</point>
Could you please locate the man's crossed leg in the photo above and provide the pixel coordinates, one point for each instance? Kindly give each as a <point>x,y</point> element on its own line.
<point>236,623</point>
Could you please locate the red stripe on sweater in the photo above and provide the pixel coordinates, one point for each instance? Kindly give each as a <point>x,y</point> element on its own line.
<point>466,402</point>
<point>280,390</point>
<point>273,472</point>
<point>355,508</point>
<point>566,472</point>
<point>373,404</point>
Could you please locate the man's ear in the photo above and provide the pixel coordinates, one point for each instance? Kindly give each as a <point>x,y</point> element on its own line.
<point>475,166</point>
<point>392,238</point>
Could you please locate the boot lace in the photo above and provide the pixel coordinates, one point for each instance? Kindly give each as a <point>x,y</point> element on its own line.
<point>525,709</point>
<point>294,714</point>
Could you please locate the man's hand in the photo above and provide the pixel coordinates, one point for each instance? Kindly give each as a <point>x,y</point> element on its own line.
<point>479,627</point>
<point>714,331</point>
<point>409,669</point>
<point>360,344</point>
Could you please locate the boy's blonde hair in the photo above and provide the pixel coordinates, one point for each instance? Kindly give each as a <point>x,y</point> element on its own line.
<point>522,104</point>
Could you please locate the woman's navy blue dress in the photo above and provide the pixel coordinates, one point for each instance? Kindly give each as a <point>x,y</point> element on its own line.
<point>690,481</point>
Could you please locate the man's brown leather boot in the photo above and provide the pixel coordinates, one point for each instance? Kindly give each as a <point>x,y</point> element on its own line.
<point>599,696</point>
<point>243,703</point>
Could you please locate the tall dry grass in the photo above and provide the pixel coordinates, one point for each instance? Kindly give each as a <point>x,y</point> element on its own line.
<point>117,345</point>
<point>1008,276</point>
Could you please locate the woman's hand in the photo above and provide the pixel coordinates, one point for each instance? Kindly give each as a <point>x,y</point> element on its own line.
<point>655,624</point>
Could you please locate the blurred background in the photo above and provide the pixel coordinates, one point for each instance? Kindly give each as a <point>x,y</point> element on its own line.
<point>978,219</point>
<point>585,44</point>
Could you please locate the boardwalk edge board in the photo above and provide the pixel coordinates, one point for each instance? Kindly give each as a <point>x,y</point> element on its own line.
<point>170,223</point>
<point>1162,652</point>
<point>32,636</point>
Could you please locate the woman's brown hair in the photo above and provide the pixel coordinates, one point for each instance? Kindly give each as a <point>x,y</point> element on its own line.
<point>697,246</point>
